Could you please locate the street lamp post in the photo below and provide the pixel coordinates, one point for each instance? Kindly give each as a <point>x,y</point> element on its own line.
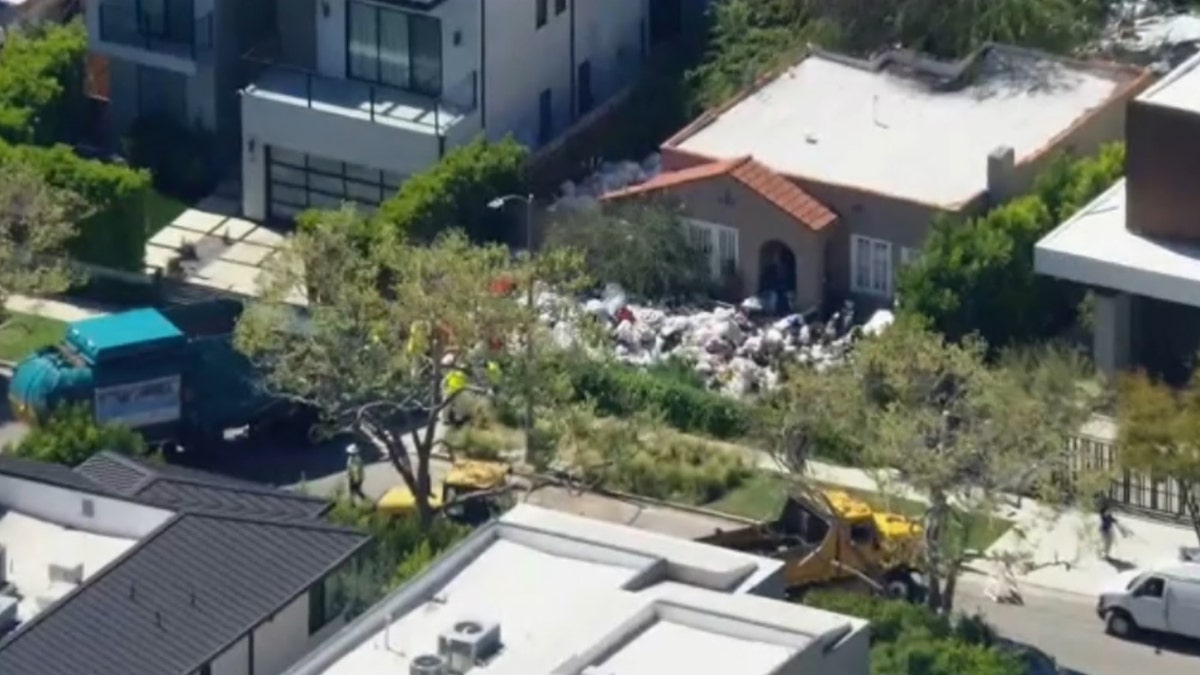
<point>496,204</point>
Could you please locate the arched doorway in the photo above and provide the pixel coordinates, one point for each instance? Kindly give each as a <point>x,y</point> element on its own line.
<point>777,277</point>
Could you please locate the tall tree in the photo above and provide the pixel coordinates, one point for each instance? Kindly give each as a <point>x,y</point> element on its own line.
<point>387,327</point>
<point>1160,435</point>
<point>643,246</point>
<point>37,222</point>
<point>936,418</point>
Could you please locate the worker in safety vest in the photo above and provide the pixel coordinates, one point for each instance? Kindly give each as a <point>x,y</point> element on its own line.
<point>354,473</point>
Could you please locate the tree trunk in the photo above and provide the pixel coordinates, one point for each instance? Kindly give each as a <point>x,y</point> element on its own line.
<point>935,528</point>
<point>1187,493</point>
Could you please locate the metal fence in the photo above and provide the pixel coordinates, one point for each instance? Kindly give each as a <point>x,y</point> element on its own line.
<point>1095,449</point>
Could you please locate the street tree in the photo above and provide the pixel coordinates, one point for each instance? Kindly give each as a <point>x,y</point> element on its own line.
<point>394,334</point>
<point>1159,434</point>
<point>935,418</point>
<point>37,222</point>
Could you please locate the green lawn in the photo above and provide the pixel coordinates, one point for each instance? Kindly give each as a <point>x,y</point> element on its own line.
<point>24,333</point>
<point>161,210</point>
<point>762,496</point>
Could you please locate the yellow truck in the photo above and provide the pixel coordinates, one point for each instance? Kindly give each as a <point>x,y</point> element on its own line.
<point>828,536</point>
<point>465,477</point>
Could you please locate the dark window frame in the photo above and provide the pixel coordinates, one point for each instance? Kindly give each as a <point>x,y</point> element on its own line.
<point>545,116</point>
<point>542,14</point>
<point>560,6</point>
<point>586,84</point>
<point>413,21</point>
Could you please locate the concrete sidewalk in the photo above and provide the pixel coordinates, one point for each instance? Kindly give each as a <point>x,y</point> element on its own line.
<point>54,309</point>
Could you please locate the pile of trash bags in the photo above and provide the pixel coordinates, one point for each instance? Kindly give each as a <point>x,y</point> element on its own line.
<point>609,177</point>
<point>735,350</point>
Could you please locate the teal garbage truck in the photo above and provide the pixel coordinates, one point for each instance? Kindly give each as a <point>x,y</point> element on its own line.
<point>172,374</point>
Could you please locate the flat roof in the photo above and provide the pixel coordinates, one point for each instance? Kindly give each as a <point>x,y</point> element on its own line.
<point>1094,247</point>
<point>31,545</point>
<point>883,129</point>
<point>1180,89</point>
<point>569,593</point>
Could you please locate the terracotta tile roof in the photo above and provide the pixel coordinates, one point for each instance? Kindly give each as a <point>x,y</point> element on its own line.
<point>756,176</point>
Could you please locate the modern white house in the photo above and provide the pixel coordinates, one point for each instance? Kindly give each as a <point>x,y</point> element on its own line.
<point>348,98</point>
<point>540,592</point>
<point>1138,245</point>
<point>120,567</point>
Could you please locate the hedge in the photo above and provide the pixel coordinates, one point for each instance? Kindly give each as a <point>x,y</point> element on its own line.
<point>620,391</point>
<point>454,193</point>
<point>41,84</point>
<point>908,639</point>
<point>114,235</point>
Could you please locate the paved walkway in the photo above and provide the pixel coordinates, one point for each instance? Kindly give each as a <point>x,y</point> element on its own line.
<point>53,309</point>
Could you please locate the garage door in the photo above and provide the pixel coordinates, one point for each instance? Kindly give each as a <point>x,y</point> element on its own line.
<point>298,182</point>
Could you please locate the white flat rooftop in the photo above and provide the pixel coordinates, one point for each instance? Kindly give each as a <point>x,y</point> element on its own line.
<point>1180,89</point>
<point>569,593</point>
<point>32,545</point>
<point>837,123</point>
<point>1093,247</point>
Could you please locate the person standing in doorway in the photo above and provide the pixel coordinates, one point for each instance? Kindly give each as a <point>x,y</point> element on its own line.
<point>354,473</point>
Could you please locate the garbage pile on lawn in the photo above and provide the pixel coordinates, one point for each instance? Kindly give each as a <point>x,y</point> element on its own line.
<point>1149,32</point>
<point>734,349</point>
<point>609,177</point>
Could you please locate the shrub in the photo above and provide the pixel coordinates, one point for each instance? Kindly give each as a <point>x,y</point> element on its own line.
<point>908,639</point>
<point>454,194</point>
<point>114,233</point>
<point>71,435</point>
<point>179,158</point>
<point>673,469</point>
<point>41,84</point>
<point>978,276</point>
<point>620,391</point>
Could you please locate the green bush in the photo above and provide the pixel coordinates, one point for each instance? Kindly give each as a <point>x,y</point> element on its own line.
<point>675,470</point>
<point>179,157</point>
<point>114,234</point>
<point>454,194</point>
<point>41,84</point>
<point>71,435</point>
<point>978,276</point>
<point>908,639</point>
<point>621,391</point>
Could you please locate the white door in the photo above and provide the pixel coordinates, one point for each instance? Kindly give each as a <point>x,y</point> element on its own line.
<point>1148,604</point>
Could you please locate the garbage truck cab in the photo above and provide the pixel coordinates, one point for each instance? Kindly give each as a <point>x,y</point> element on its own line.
<point>1162,598</point>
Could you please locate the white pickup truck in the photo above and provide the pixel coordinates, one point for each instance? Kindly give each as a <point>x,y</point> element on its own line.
<point>1162,598</point>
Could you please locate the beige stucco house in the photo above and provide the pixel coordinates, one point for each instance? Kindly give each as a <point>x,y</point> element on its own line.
<point>874,151</point>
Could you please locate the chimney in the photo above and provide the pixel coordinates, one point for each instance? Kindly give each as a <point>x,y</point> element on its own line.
<point>1002,175</point>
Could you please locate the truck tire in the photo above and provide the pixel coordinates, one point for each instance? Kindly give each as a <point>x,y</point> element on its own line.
<point>903,585</point>
<point>1118,623</point>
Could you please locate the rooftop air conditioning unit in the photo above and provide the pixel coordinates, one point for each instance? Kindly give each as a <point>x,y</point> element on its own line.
<point>427,664</point>
<point>467,643</point>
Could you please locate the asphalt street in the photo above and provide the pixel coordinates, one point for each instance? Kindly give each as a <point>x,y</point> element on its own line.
<point>1065,626</point>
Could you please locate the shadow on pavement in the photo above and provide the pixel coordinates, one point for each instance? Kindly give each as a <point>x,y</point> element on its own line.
<point>1037,662</point>
<point>1169,643</point>
<point>273,462</point>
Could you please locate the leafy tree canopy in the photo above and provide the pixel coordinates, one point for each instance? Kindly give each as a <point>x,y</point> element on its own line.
<point>641,246</point>
<point>36,225</point>
<point>71,435</point>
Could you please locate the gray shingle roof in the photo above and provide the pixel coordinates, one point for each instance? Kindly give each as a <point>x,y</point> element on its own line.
<point>51,474</point>
<point>185,489</point>
<point>179,598</point>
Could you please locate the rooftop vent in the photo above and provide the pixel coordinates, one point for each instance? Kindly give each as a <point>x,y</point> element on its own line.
<point>428,664</point>
<point>467,643</point>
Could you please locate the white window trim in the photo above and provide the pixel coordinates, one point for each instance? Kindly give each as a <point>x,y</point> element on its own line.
<point>713,232</point>
<point>873,286</point>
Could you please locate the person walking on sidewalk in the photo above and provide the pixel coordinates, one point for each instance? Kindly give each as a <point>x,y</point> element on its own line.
<point>354,473</point>
<point>1109,528</point>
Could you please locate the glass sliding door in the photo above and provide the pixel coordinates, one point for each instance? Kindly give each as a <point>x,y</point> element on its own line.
<point>394,48</point>
<point>426,34</point>
<point>152,17</point>
<point>362,44</point>
<point>394,62</point>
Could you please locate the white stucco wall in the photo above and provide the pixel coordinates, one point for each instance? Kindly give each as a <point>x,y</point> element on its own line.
<point>234,661</point>
<point>61,506</point>
<point>281,642</point>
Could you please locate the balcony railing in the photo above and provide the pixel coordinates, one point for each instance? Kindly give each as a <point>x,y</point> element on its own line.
<point>126,24</point>
<point>377,103</point>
